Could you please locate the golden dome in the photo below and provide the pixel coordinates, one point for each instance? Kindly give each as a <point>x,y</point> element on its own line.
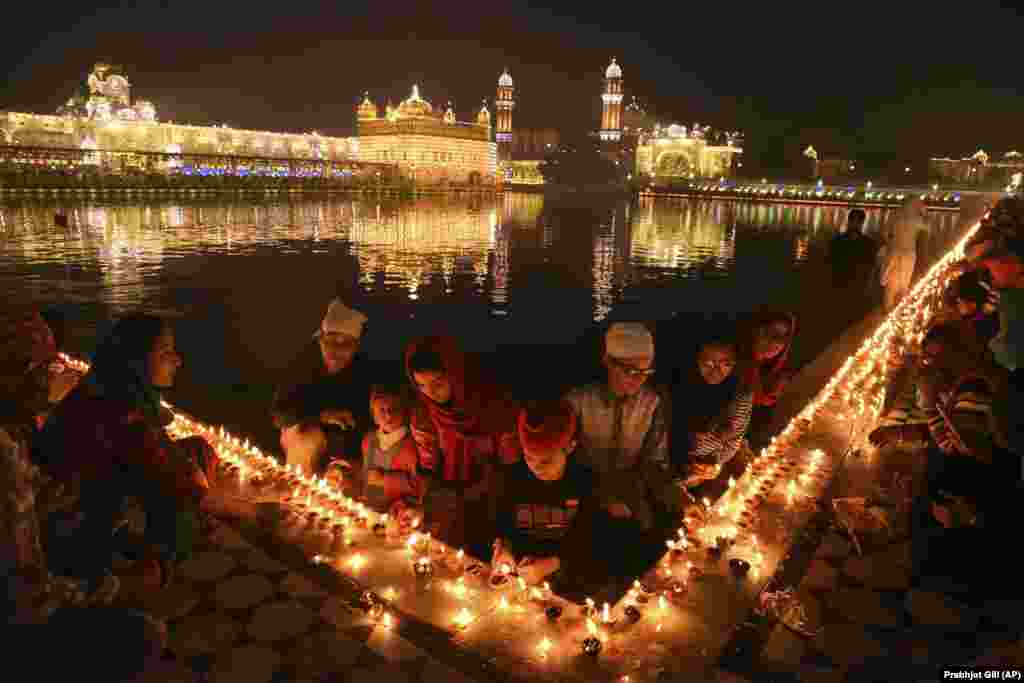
<point>415,105</point>
<point>367,110</point>
<point>484,117</point>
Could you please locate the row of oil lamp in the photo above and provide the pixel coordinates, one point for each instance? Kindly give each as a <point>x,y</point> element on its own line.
<point>859,386</point>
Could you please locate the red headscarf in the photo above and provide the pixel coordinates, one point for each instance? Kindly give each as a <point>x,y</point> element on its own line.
<point>767,377</point>
<point>471,425</point>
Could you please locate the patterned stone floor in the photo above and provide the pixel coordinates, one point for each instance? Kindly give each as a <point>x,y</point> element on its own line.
<point>873,626</point>
<point>235,612</point>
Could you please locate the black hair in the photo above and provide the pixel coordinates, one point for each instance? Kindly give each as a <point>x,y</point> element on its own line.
<point>426,360</point>
<point>856,215</point>
<point>967,287</point>
<point>947,334</point>
<point>397,390</point>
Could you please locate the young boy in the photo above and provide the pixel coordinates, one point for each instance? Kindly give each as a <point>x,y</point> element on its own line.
<point>389,481</point>
<point>545,505</point>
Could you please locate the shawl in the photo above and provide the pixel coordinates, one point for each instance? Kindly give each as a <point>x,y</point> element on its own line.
<point>767,377</point>
<point>470,425</point>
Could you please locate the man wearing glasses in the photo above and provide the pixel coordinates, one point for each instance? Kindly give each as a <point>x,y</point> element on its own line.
<point>623,431</point>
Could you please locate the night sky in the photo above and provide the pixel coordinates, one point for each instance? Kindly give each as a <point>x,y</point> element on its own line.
<point>854,79</point>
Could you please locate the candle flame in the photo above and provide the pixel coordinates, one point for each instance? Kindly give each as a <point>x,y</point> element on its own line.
<point>662,602</point>
<point>386,621</point>
<point>732,482</point>
<point>707,503</point>
<point>463,618</point>
<point>389,593</point>
<point>606,613</point>
<point>357,561</point>
<point>503,603</point>
<point>591,627</point>
<point>459,555</point>
<point>544,645</point>
<point>590,603</point>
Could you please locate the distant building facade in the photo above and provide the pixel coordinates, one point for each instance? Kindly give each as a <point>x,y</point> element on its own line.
<point>107,120</point>
<point>428,146</point>
<point>675,152</point>
<point>978,170</point>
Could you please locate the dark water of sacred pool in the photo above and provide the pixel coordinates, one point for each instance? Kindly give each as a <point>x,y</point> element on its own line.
<point>247,281</point>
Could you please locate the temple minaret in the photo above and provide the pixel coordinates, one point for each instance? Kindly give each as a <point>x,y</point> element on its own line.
<point>611,113</point>
<point>504,104</point>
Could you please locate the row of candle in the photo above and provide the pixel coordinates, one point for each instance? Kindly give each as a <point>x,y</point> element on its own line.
<point>859,386</point>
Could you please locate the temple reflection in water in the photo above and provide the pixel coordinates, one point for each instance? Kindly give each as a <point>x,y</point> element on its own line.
<point>483,253</point>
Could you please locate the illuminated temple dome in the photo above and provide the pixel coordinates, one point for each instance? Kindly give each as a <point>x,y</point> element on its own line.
<point>613,70</point>
<point>484,117</point>
<point>367,110</point>
<point>415,105</point>
<point>505,81</point>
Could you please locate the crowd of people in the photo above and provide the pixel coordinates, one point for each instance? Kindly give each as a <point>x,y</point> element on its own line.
<point>579,490</point>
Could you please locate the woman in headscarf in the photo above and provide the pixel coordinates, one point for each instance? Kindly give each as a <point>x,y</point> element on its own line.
<point>39,608</point>
<point>108,438</point>
<point>899,253</point>
<point>463,425</point>
<point>712,403</point>
<point>764,347</point>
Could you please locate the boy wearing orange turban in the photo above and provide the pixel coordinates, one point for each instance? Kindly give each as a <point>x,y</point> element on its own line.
<point>546,503</point>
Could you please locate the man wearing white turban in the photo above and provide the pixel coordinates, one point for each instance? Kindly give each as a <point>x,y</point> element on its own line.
<point>899,254</point>
<point>623,431</point>
<point>323,417</point>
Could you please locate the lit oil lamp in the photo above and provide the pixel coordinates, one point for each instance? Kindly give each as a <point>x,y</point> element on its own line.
<point>357,562</point>
<point>423,568</point>
<point>592,643</point>
<point>544,647</point>
<point>463,618</point>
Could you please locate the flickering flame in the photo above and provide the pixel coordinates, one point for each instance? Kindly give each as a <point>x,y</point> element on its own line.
<point>606,613</point>
<point>544,646</point>
<point>503,603</point>
<point>386,620</point>
<point>464,618</point>
<point>390,593</point>
<point>504,568</point>
<point>459,555</point>
<point>732,482</point>
<point>707,503</point>
<point>662,603</point>
<point>357,562</point>
<point>590,604</point>
<point>592,627</point>
<point>522,584</point>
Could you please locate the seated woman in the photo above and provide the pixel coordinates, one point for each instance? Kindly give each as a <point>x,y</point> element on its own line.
<point>711,406</point>
<point>108,437</point>
<point>971,476</point>
<point>765,344</point>
<point>322,412</point>
<point>389,480</point>
<point>39,608</point>
<point>464,425</point>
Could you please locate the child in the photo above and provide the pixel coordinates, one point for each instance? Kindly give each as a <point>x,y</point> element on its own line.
<point>389,481</point>
<point>545,505</point>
